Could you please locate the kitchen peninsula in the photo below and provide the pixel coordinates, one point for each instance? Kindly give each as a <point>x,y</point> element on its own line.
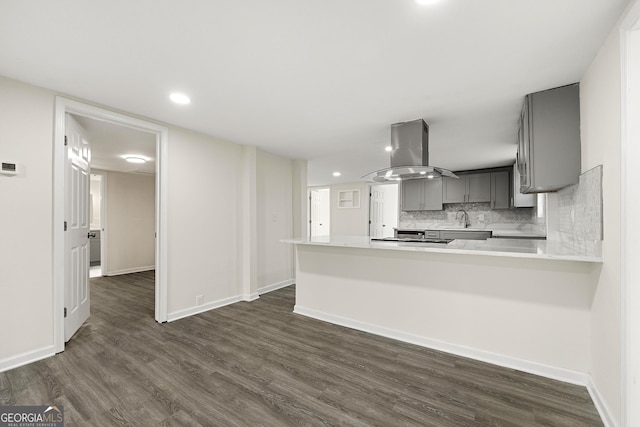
<point>518,303</point>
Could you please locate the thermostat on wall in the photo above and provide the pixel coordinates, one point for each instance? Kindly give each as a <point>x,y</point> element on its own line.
<point>9,168</point>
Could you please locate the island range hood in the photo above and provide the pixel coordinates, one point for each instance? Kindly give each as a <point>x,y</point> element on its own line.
<point>409,155</point>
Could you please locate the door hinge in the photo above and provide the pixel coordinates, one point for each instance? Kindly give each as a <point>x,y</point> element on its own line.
<point>65,226</point>
<point>65,312</point>
<point>65,140</point>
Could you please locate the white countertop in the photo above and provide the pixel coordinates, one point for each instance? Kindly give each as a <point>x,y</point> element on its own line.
<point>583,251</point>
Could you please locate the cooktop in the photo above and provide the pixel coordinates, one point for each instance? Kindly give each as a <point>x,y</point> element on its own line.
<point>413,240</point>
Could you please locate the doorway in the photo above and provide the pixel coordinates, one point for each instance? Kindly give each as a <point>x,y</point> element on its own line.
<point>383,210</point>
<point>66,106</point>
<point>96,217</point>
<point>319,212</point>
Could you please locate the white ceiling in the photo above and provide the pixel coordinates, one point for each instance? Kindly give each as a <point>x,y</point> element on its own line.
<point>111,143</point>
<point>320,80</point>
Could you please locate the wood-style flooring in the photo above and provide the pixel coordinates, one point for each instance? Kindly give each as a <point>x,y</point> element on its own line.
<point>258,364</point>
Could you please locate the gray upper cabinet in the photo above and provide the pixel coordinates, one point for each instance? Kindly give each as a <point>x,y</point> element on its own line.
<point>454,190</point>
<point>474,187</point>
<point>522,200</point>
<point>549,140</point>
<point>422,194</point>
<point>479,187</point>
<point>500,190</point>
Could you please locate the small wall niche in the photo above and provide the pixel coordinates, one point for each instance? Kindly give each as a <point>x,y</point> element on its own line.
<point>349,198</point>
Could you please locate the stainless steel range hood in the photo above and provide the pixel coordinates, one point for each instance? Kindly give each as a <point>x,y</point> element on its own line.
<point>409,155</point>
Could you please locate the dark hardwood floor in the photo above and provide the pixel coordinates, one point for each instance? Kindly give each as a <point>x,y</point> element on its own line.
<point>258,364</point>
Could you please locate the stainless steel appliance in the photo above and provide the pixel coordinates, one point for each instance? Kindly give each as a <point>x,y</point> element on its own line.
<point>414,236</point>
<point>414,240</point>
<point>409,155</point>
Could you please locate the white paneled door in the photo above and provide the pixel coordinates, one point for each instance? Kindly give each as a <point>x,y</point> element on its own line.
<point>383,212</point>
<point>320,212</point>
<point>76,291</point>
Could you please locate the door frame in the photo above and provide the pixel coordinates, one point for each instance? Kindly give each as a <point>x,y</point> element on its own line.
<point>103,218</point>
<point>629,231</point>
<point>62,107</point>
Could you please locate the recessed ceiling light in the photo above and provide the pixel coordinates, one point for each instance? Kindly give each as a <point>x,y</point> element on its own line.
<point>423,173</point>
<point>135,159</point>
<point>425,2</point>
<point>430,176</point>
<point>337,174</point>
<point>180,98</point>
<point>388,148</point>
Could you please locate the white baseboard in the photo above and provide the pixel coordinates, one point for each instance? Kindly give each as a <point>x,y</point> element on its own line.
<point>561,374</point>
<point>598,401</point>
<point>250,297</point>
<point>202,308</point>
<point>276,286</point>
<point>128,271</point>
<point>26,358</point>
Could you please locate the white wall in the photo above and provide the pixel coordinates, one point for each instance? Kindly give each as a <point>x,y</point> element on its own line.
<point>26,134</point>
<point>274,189</point>
<point>350,221</point>
<point>600,123</point>
<point>527,312</point>
<point>631,229</point>
<point>204,219</point>
<point>130,222</point>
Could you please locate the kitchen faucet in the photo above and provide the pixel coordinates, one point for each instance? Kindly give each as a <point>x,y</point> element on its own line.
<point>464,217</point>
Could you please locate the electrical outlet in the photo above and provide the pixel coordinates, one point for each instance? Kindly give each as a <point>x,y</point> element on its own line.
<point>199,299</point>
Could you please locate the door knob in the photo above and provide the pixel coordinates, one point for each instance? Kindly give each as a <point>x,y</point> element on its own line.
<point>91,234</point>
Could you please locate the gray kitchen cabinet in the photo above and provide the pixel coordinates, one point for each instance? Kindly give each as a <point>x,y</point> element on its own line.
<point>479,187</point>
<point>474,187</point>
<point>454,190</point>
<point>422,194</point>
<point>500,190</point>
<point>549,140</point>
<point>522,200</point>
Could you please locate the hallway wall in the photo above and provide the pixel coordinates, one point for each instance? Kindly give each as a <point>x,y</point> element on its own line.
<point>26,135</point>
<point>130,222</point>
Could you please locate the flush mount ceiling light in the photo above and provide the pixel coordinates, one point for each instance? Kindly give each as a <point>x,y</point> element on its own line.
<point>337,174</point>
<point>180,98</point>
<point>135,159</point>
<point>426,2</point>
<point>388,148</point>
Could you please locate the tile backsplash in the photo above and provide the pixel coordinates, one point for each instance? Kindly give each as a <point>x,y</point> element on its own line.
<point>576,211</point>
<point>479,214</point>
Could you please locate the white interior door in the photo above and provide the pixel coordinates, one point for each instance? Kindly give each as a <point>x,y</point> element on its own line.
<point>383,212</point>
<point>376,212</point>
<point>76,291</point>
<point>320,212</point>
